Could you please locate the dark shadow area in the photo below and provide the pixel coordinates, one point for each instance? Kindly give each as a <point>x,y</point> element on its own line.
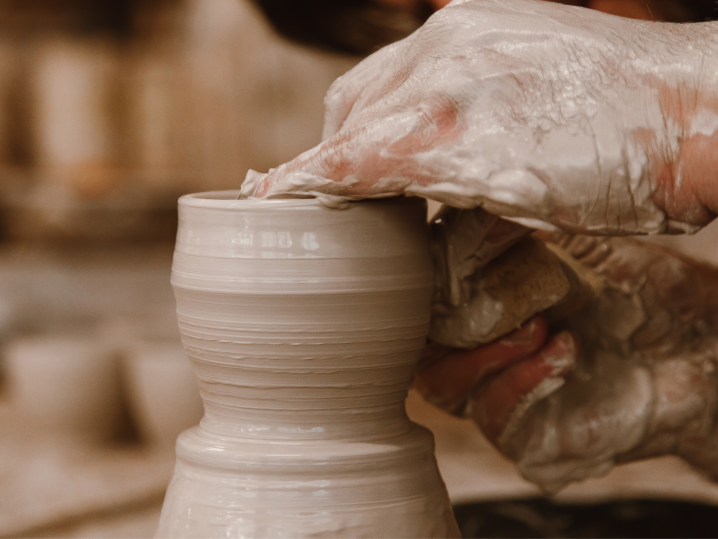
<point>542,518</point>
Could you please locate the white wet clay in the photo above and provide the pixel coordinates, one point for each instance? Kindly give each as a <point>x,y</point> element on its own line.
<point>545,114</point>
<point>463,243</point>
<point>304,325</point>
<point>645,381</point>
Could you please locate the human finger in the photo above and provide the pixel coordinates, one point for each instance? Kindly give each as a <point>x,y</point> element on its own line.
<point>372,158</point>
<point>501,403</point>
<point>345,91</point>
<point>448,382</point>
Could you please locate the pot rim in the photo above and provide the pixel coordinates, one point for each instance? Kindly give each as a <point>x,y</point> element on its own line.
<point>229,199</point>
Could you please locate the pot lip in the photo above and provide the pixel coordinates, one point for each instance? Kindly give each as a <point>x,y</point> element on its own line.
<point>229,199</point>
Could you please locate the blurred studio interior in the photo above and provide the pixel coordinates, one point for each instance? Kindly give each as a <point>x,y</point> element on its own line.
<point>109,111</point>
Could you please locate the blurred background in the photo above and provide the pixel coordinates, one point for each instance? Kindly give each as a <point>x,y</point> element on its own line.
<point>109,111</point>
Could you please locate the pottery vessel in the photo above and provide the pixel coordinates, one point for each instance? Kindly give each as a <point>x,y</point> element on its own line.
<point>303,325</point>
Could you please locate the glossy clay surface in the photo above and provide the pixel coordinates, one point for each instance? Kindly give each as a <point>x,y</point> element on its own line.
<point>303,325</point>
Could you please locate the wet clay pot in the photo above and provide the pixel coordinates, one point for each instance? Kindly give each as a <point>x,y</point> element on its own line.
<point>303,325</point>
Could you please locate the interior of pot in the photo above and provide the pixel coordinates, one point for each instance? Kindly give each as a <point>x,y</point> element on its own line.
<point>230,198</point>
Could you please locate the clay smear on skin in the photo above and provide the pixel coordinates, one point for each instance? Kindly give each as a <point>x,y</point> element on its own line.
<point>564,141</point>
<point>362,172</point>
<point>685,176</point>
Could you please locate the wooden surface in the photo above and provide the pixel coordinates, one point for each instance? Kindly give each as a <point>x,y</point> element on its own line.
<point>474,471</point>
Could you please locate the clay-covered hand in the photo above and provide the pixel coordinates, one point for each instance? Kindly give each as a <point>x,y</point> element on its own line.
<point>539,112</point>
<point>642,382</point>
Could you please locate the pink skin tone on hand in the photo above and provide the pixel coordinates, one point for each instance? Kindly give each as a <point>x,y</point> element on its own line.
<point>533,120</point>
<point>497,376</point>
<point>447,382</point>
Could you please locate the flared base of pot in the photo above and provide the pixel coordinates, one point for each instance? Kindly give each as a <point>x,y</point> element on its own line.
<point>231,487</point>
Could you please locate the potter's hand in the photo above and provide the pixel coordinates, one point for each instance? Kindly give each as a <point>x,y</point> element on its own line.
<point>643,384</point>
<point>536,111</point>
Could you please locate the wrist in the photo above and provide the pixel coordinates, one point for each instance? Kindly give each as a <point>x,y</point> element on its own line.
<point>684,164</point>
<point>699,150</point>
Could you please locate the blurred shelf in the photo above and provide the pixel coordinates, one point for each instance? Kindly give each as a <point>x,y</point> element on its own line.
<point>49,482</point>
<point>113,206</point>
